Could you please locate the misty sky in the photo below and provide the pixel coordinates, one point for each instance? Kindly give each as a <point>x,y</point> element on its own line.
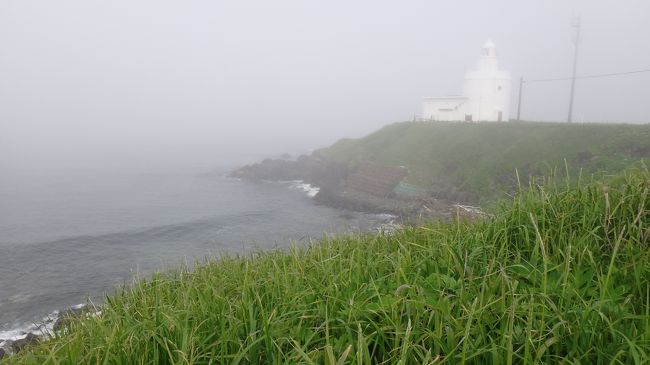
<point>150,83</point>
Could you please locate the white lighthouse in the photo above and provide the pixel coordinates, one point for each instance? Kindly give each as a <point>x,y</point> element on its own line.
<point>486,94</point>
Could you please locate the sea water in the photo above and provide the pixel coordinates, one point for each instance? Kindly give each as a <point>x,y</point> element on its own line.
<point>69,237</point>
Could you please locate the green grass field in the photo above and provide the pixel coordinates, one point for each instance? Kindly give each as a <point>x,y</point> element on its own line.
<point>560,273</point>
<point>480,159</point>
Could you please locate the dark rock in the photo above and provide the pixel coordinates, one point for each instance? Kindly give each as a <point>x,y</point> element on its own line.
<point>584,156</point>
<point>6,348</point>
<point>333,179</point>
<point>635,150</point>
<point>66,316</point>
<point>29,340</point>
<point>311,169</point>
<point>2,353</point>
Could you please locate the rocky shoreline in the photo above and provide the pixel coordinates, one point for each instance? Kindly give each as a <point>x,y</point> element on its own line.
<point>337,189</point>
<point>54,323</point>
<point>329,183</point>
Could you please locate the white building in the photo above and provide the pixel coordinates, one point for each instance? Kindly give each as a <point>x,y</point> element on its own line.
<point>486,94</point>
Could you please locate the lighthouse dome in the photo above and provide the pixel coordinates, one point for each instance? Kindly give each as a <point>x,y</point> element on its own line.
<point>489,50</point>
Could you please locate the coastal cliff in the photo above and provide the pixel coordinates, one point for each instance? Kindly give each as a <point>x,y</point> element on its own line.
<point>366,188</point>
<point>437,170</point>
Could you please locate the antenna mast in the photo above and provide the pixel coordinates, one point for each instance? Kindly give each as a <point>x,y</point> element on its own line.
<point>521,89</point>
<point>575,24</point>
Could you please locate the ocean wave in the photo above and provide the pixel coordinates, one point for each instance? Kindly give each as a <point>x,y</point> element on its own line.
<point>126,237</point>
<point>45,328</point>
<point>470,209</point>
<point>385,216</point>
<point>307,188</point>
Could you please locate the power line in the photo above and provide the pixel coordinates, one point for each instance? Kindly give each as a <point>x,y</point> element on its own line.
<point>589,76</point>
<point>522,82</point>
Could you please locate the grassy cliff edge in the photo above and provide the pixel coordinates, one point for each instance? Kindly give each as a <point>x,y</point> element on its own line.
<point>473,162</point>
<point>558,273</point>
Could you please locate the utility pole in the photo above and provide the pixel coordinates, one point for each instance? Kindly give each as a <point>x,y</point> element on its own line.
<point>521,90</point>
<point>576,24</point>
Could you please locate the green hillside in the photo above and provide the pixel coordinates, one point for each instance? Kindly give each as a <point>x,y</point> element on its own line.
<point>555,276</point>
<point>480,159</point>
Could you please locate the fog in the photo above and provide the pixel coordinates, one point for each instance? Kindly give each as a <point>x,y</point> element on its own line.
<point>148,84</point>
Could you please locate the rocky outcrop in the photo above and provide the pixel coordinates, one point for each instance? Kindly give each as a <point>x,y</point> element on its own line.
<point>43,331</point>
<point>376,180</point>
<point>367,188</point>
<point>67,316</point>
<point>29,340</point>
<point>9,347</point>
<point>311,169</point>
<point>406,209</point>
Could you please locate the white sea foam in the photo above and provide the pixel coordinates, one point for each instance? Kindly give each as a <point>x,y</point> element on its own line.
<point>386,217</point>
<point>307,188</point>
<point>389,228</point>
<point>470,209</point>
<point>45,327</point>
<point>388,225</point>
<point>21,331</point>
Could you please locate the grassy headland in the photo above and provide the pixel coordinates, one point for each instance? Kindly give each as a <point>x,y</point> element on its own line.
<point>558,273</point>
<point>477,161</point>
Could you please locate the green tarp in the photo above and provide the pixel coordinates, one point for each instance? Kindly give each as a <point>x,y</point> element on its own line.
<point>408,190</point>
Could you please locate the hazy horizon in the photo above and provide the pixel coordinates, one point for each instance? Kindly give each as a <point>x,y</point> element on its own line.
<point>147,84</point>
